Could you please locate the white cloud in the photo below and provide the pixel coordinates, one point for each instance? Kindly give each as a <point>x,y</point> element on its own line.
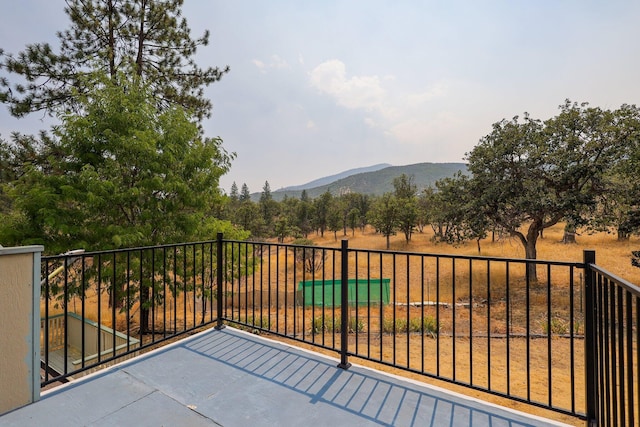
<point>275,62</point>
<point>311,124</point>
<point>437,90</point>
<point>356,92</point>
<point>407,117</point>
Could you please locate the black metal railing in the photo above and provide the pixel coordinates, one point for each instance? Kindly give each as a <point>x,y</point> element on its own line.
<point>613,352</point>
<point>557,335</point>
<point>509,327</point>
<point>105,306</point>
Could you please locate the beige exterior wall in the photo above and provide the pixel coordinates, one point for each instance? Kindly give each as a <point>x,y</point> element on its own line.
<point>19,326</point>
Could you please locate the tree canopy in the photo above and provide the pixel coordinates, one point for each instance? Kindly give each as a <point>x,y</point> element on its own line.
<point>128,175</point>
<point>534,174</point>
<point>146,38</point>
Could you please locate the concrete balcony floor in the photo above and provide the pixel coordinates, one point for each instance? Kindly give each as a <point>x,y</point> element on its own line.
<point>232,378</point>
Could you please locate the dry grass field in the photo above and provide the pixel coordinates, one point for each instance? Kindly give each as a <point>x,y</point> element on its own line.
<point>611,254</point>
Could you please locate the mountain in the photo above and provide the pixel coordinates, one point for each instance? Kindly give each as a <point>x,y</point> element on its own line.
<point>332,178</point>
<point>377,182</point>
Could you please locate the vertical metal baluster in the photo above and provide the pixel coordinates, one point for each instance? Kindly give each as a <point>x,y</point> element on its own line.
<point>438,315</point>
<point>116,298</point>
<point>453,317</point>
<point>471,321</point>
<point>508,319</point>
<point>422,319</point>
<point>489,325</point>
<point>549,332</point>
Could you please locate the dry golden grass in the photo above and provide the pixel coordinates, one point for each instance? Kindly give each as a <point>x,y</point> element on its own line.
<point>611,254</point>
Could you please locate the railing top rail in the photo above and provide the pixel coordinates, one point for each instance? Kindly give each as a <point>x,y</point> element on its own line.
<point>575,264</point>
<point>620,281</point>
<point>135,249</point>
<point>475,257</point>
<point>361,250</point>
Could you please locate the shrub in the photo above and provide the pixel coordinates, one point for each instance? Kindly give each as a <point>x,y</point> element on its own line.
<point>557,326</point>
<point>426,325</point>
<point>329,325</point>
<point>254,325</point>
<point>323,325</point>
<point>635,258</point>
<point>388,326</point>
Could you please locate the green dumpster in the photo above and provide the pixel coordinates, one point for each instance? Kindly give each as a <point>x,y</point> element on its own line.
<point>360,291</point>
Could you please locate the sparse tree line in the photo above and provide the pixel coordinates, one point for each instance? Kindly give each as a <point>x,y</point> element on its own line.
<point>579,167</point>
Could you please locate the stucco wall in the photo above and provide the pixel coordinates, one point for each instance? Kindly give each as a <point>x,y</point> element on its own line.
<point>19,326</point>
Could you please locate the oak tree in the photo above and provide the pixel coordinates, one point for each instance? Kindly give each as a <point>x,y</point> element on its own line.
<point>528,175</point>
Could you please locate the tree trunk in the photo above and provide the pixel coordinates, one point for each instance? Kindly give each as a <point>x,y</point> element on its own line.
<point>569,233</point>
<point>530,248</point>
<point>569,237</point>
<point>141,36</point>
<point>623,235</point>
<point>387,241</point>
<point>531,253</point>
<point>112,42</point>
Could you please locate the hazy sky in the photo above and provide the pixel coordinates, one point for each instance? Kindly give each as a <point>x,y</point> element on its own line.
<point>318,87</point>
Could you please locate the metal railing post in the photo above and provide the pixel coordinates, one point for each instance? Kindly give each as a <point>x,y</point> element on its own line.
<point>344,306</point>
<point>589,257</point>
<point>219,278</point>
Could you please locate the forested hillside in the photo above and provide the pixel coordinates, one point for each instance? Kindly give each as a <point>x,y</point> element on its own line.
<point>378,182</point>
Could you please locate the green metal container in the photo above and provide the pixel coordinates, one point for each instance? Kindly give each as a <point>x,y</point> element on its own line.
<point>327,292</point>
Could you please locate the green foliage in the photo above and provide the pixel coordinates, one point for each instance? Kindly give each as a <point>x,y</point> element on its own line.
<point>404,187</point>
<point>376,183</point>
<point>324,324</point>
<point>329,324</point>
<point>147,39</point>
<point>426,325</point>
<point>255,325</point>
<point>407,216</point>
<point>322,207</point>
<point>353,325</point>
<point>130,175</point>
<point>384,215</point>
<point>534,174</point>
<point>454,209</point>
<point>558,326</point>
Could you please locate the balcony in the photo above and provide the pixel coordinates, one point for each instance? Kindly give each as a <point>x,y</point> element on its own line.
<point>545,337</point>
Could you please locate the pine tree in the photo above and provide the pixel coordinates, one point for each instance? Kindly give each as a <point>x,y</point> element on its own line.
<point>146,38</point>
<point>245,195</point>
<point>233,195</point>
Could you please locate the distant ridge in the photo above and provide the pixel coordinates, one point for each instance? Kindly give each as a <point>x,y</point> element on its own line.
<point>375,182</point>
<point>332,178</point>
